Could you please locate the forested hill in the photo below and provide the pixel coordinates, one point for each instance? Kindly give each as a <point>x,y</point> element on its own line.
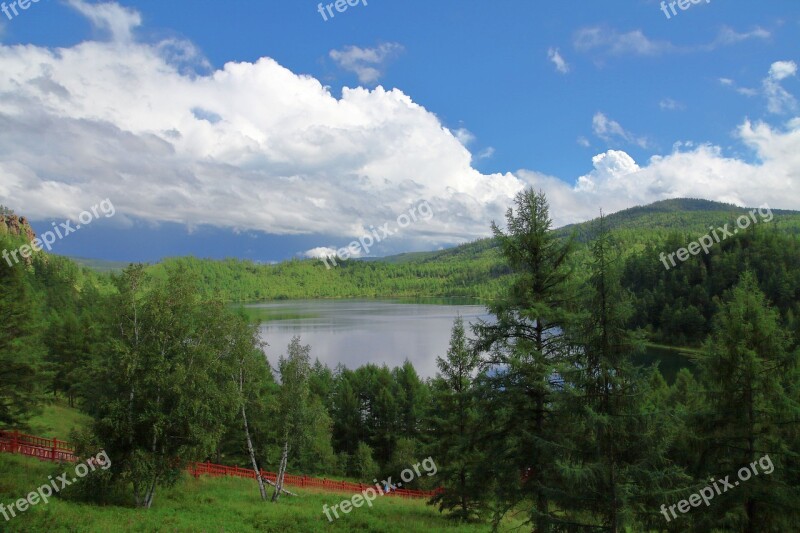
<point>683,215</point>
<point>634,226</point>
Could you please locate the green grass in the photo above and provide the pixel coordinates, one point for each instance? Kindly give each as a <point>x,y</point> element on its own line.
<point>683,350</point>
<point>56,420</point>
<point>208,504</point>
<point>196,505</point>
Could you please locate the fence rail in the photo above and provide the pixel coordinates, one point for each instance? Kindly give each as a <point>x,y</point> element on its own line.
<point>40,447</point>
<point>197,469</point>
<point>60,451</point>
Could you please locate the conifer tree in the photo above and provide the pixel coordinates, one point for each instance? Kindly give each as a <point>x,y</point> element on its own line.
<point>454,428</point>
<point>615,451</point>
<point>524,346</point>
<point>22,376</point>
<point>751,381</point>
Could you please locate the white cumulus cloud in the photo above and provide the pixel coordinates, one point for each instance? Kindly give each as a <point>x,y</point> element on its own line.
<point>611,130</point>
<point>248,146</point>
<point>255,146</point>
<point>618,182</point>
<point>321,252</point>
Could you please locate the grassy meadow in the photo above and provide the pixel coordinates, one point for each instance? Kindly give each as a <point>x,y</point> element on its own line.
<point>196,505</point>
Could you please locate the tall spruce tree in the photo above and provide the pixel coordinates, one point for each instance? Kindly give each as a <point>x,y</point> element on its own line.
<point>751,381</point>
<point>524,346</point>
<point>454,429</point>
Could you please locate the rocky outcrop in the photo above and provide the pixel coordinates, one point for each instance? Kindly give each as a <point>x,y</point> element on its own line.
<point>15,225</point>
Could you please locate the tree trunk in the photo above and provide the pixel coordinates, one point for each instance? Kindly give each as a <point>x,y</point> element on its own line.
<point>151,492</point>
<point>283,489</point>
<point>137,494</point>
<point>542,505</point>
<point>464,507</point>
<point>749,505</point>
<point>614,510</point>
<point>281,471</point>
<point>252,452</point>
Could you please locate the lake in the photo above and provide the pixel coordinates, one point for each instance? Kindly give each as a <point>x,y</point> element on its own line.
<point>356,332</point>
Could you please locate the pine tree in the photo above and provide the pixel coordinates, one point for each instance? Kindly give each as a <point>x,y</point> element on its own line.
<point>524,347</point>
<point>751,380</point>
<point>454,429</point>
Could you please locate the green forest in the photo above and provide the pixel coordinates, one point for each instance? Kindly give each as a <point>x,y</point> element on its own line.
<point>543,417</point>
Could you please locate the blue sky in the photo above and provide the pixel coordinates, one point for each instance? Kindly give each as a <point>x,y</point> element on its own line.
<point>260,130</point>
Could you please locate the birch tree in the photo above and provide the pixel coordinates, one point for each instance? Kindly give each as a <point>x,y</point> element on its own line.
<point>163,393</point>
<point>251,380</point>
<point>293,398</point>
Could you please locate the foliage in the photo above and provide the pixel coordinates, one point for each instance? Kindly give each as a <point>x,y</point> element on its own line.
<point>454,428</point>
<point>557,424</point>
<point>163,392</point>
<point>750,376</point>
<point>524,347</point>
<point>22,373</point>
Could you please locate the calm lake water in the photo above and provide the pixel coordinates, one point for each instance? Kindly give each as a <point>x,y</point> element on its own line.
<point>356,332</point>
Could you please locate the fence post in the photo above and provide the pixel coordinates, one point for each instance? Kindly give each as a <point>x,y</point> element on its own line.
<point>15,442</point>
<point>55,448</point>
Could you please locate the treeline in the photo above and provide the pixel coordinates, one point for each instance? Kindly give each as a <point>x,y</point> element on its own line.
<point>238,280</point>
<point>672,306</point>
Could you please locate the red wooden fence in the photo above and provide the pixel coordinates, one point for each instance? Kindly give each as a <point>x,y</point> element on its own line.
<point>46,449</point>
<point>210,469</point>
<point>60,451</point>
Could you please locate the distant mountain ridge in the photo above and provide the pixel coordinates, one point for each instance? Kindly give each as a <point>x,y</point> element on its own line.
<point>691,215</point>
<point>635,224</point>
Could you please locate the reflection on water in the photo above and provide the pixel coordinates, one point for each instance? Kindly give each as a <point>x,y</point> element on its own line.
<point>669,360</point>
<point>356,332</point>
